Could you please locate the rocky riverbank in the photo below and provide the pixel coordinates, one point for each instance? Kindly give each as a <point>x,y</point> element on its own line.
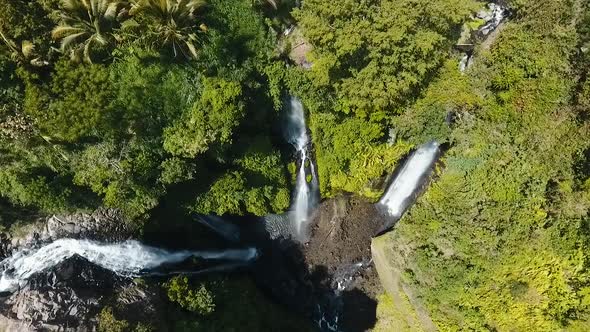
<point>69,296</point>
<point>331,275</point>
<point>100,225</point>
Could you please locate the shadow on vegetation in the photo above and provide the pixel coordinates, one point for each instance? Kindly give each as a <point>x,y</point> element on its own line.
<point>281,272</point>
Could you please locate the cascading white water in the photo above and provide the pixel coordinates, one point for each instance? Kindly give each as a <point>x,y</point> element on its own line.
<point>465,62</point>
<point>305,196</point>
<point>492,18</point>
<point>129,258</point>
<point>398,196</point>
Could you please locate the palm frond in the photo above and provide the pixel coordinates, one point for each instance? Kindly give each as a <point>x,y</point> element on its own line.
<point>192,49</point>
<point>66,42</point>
<point>62,31</point>
<point>87,47</point>
<point>74,5</point>
<point>172,23</point>
<point>28,49</point>
<point>86,23</point>
<point>111,11</point>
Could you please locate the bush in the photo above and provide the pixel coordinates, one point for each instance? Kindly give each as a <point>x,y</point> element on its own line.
<point>108,323</point>
<point>198,300</point>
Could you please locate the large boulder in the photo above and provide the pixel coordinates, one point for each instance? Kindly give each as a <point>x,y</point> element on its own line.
<point>70,296</point>
<point>101,225</point>
<point>66,298</point>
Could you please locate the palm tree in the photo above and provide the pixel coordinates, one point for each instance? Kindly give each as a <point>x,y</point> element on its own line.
<point>172,23</point>
<point>26,52</point>
<point>86,24</point>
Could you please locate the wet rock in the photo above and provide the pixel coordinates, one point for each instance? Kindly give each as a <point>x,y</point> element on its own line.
<point>332,274</point>
<point>100,225</point>
<point>66,298</point>
<point>5,245</point>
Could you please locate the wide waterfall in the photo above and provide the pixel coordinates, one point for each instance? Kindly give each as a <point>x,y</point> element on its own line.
<point>129,258</point>
<point>399,194</point>
<point>305,197</point>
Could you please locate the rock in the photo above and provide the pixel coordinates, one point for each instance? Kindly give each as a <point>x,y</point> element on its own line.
<point>66,298</point>
<point>141,302</point>
<point>300,48</point>
<point>330,279</point>
<point>100,225</point>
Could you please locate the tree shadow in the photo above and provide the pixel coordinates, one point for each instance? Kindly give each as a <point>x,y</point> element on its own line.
<point>284,275</point>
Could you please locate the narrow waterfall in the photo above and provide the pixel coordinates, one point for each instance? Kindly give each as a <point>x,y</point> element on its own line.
<point>129,259</point>
<point>305,197</point>
<point>465,62</point>
<point>492,17</point>
<point>401,191</point>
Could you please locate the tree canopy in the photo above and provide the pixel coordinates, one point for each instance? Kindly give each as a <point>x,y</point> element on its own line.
<point>177,104</point>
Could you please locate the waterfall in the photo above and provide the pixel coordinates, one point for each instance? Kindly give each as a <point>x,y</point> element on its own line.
<point>128,259</point>
<point>305,197</point>
<point>492,17</point>
<point>465,62</point>
<point>400,192</point>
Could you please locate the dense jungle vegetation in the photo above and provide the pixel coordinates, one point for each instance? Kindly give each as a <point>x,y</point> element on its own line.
<point>129,104</point>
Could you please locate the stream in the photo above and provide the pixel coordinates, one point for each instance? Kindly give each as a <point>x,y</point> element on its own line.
<point>127,259</point>
<point>130,259</point>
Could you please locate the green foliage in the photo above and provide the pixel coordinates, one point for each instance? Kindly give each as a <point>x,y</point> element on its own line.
<point>238,39</point>
<point>120,134</point>
<point>175,170</point>
<point>121,174</point>
<point>351,153</point>
<point>396,315</point>
<point>376,54</point>
<point>108,323</point>
<point>451,94</point>
<point>499,240</point>
<point>211,120</point>
<point>80,102</point>
<point>150,93</point>
<point>226,195</point>
<point>32,187</point>
<point>198,300</point>
<point>255,183</point>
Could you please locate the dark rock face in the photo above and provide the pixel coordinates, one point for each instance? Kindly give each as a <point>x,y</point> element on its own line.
<point>101,225</point>
<point>71,295</point>
<point>68,297</point>
<point>332,273</point>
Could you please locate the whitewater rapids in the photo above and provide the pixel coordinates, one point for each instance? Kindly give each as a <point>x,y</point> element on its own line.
<point>305,198</point>
<point>129,259</point>
<point>409,180</point>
